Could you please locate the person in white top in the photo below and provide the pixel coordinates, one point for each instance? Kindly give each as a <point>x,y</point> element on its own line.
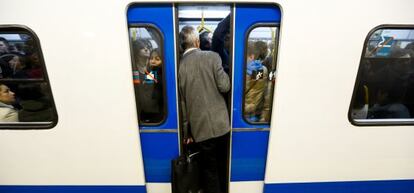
<point>7,112</point>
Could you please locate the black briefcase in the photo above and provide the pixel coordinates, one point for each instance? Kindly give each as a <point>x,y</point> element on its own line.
<point>185,175</point>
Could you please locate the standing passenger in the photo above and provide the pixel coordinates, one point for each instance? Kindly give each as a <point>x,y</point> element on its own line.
<point>4,46</point>
<point>205,40</point>
<point>201,82</point>
<point>256,82</point>
<point>221,42</point>
<point>5,70</point>
<point>144,84</point>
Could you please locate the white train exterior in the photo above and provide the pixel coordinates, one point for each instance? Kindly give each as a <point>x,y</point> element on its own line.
<point>312,144</point>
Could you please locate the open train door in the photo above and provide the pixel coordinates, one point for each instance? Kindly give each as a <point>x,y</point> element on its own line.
<point>256,29</point>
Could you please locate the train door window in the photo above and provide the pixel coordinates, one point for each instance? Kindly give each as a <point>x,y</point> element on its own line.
<point>147,73</point>
<point>260,74</point>
<point>384,90</point>
<point>26,100</point>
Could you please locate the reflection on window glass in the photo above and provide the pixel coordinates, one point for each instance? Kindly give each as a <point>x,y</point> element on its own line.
<point>260,74</point>
<point>19,58</point>
<point>25,95</point>
<point>385,87</point>
<point>147,69</point>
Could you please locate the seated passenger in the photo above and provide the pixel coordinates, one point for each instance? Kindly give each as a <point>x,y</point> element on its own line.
<point>35,106</point>
<point>389,104</point>
<point>7,112</point>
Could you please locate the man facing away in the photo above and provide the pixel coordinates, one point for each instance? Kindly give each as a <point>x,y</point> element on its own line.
<point>201,82</point>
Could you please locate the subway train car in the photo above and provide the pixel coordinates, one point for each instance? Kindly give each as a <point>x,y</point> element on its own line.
<point>321,98</point>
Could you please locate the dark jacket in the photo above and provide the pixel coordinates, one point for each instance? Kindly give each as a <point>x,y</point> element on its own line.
<point>218,40</point>
<point>201,81</point>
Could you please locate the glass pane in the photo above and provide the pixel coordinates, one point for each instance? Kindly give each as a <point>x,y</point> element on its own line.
<point>260,74</point>
<point>25,97</point>
<point>386,77</point>
<point>25,102</point>
<point>19,57</point>
<point>147,70</point>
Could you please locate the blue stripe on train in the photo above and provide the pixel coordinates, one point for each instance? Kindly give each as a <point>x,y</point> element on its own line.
<point>72,189</point>
<point>386,186</point>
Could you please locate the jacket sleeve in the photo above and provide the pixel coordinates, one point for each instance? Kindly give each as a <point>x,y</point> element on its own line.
<point>221,77</point>
<point>184,115</point>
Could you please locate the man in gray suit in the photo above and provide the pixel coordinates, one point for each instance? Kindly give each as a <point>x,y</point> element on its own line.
<point>202,81</point>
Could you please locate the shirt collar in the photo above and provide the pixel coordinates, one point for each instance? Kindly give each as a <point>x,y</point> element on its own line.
<point>188,50</point>
<point>6,105</point>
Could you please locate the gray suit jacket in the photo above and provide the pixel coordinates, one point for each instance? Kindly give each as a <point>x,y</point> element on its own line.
<point>201,80</point>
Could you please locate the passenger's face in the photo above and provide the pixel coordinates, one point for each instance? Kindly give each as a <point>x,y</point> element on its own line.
<point>144,52</point>
<point>35,58</point>
<point>227,41</point>
<point>16,63</point>
<point>155,60</point>
<point>3,47</point>
<point>6,95</point>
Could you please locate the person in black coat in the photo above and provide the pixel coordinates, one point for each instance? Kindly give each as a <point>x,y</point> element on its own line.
<point>221,41</point>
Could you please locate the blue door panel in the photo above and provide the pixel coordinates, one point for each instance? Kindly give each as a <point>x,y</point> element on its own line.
<point>159,148</point>
<point>249,155</point>
<point>246,17</point>
<point>161,16</point>
<point>249,148</point>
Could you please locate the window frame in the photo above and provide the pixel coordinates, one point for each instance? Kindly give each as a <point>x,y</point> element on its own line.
<point>21,29</point>
<point>164,89</point>
<point>246,42</point>
<point>375,122</point>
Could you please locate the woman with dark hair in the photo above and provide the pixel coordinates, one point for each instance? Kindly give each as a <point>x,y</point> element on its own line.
<point>144,83</point>
<point>142,50</point>
<point>7,112</point>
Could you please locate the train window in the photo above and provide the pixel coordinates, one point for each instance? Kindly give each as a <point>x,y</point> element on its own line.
<point>147,74</point>
<point>26,100</point>
<point>384,90</point>
<point>260,74</point>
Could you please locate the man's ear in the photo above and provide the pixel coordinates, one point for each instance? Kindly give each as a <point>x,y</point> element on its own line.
<point>198,44</point>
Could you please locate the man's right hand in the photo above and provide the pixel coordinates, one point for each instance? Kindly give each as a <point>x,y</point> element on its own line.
<point>188,140</point>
